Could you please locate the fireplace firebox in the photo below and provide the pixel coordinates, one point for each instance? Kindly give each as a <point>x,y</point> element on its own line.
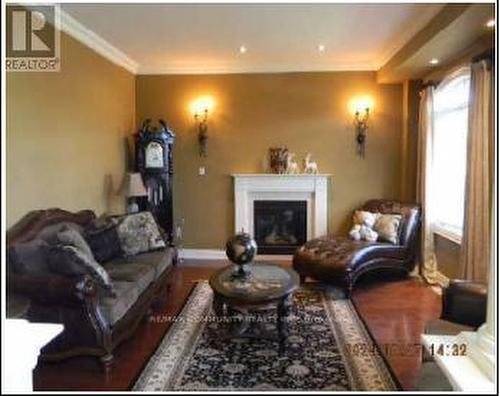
<point>280,227</point>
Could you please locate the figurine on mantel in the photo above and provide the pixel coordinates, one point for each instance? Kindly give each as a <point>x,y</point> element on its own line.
<point>282,161</point>
<point>291,165</point>
<point>278,159</point>
<point>310,167</point>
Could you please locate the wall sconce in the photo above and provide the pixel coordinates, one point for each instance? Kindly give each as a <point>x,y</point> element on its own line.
<point>361,108</point>
<point>200,108</point>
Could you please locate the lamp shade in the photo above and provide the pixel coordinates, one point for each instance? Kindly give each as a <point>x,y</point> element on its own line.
<point>134,187</point>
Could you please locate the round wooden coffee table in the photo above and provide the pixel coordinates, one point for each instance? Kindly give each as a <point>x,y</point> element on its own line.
<point>268,287</point>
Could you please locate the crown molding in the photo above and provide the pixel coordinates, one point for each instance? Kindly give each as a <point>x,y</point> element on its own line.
<point>95,42</point>
<point>260,69</point>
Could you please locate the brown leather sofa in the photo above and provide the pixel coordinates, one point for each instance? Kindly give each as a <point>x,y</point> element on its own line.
<point>94,324</point>
<point>339,259</point>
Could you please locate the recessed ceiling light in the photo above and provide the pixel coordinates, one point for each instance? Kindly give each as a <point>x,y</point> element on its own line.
<point>434,61</point>
<point>490,23</point>
<point>321,48</point>
<point>243,49</point>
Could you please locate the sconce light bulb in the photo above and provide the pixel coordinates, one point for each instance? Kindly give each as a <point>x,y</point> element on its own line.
<point>490,23</point>
<point>361,104</point>
<point>202,106</point>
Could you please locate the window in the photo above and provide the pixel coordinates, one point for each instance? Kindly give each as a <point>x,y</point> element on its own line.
<point>450,115</point>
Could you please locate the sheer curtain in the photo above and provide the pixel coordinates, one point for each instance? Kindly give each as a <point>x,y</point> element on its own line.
<point>475,249</point>
<point>428,263</point>
<point>450,117</point>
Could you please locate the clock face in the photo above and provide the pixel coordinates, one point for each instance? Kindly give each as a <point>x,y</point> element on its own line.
<point>154,155</point>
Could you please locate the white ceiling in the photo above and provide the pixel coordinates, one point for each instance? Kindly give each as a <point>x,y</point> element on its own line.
<point>205,38</point>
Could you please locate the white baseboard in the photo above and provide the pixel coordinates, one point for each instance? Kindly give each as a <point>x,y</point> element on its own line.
<point>202,254</point>
<point>214,254</point>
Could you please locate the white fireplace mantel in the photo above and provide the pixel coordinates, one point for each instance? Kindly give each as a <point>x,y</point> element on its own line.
<point>310,188</point>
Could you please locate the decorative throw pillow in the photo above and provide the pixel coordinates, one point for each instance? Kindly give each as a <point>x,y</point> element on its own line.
<point>104,242</point>
<point>70,261</point>
<point>387,226</point>
<point>72,237</point>
<point>72,256</point>
<point>138,233</point>
<point>49,233</point>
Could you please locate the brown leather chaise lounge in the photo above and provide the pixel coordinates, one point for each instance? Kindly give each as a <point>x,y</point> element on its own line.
<point>339,259</point>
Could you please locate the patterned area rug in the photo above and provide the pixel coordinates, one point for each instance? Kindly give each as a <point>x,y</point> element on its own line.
<point>322,353</point>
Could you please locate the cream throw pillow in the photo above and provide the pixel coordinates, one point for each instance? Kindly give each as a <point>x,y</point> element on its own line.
<point>387,227</point>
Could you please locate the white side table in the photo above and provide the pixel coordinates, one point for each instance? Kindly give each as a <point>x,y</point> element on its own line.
<point>21,347</point>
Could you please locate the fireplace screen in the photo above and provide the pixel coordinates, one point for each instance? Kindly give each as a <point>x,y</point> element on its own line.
<point>280,226</point>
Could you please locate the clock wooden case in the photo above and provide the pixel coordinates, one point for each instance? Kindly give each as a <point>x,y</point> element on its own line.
<point>153,159</point>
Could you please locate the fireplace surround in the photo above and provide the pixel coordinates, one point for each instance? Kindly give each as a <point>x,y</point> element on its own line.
<point>311,190</point>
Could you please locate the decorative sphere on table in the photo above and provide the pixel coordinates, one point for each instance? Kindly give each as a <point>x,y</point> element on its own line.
<point>241,249</point>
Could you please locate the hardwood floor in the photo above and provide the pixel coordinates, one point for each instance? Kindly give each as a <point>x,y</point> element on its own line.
<point>395,312</point>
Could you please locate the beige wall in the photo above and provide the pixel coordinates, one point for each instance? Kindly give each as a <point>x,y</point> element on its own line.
<point>308,112</point>
<point>65,133</point>
<point>409,140</point>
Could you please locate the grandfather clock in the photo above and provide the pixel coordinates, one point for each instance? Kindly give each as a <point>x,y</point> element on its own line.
<point>153,159</point>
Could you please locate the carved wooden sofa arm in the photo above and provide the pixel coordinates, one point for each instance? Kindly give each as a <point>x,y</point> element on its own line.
<point>54,289</point>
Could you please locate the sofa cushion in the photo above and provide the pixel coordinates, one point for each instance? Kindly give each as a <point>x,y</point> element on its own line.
<point>158,260</point>
<point>410,216</point>
<point>130,272</point>
<point>330,256</point>
<point>126,294</point>
<point>49,233</point>
<point>387,227</point>
<point>326,254</point>
<point>104,242</point>
<point>72,237</point>
<point>131,277</point>
<point>138,233</point>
